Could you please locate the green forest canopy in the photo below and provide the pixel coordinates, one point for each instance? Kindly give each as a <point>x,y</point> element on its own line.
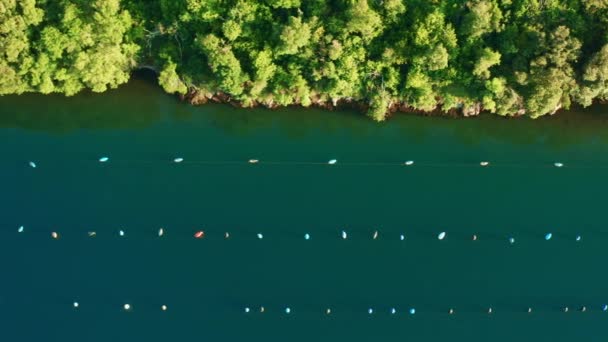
<point>509,57</point>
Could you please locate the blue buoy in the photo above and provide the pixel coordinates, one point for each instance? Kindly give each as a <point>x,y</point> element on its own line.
<point>412,311</point>
<point>307,236</point>
<point>548,236</point>
<point>103,159</point>
<point>32,164</point>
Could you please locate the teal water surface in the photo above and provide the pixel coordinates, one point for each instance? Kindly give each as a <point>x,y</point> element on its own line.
<point>206,284</point>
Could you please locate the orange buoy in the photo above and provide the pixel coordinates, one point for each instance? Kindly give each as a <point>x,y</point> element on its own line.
<point>199,235</point>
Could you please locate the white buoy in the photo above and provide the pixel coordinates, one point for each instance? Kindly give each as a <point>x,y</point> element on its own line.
<point>393,311</point>
<point>92,234</point>
<point>121,232</point>
<point>55,235</point>
<point>409,162</point>
<point>262,309</point>
<point>20,230</point>
<point>253,161</point>
<point>558,164</point>
<point>332,162</point>
<point>260,236</point>
<point>578,238</point>
<point>32,165</point>
<point>287,310</point>
<point>548,236</point>
<point>307,236</point>
<point>161,232</point>
<point>103,159</point>
<point>328,311</point>
<point>375,236</point>
<point>412,311</point>
<point>441,236</point>
<point>178,160</point>
<point>76,305</point>
<point>484,163</point>
<point>226,235</point>
<point>511,240</point>
<point>163,307</point>
<point>127,307</point>
<point>370,311</point>
<point>247,310</point>
<point>402,237</point>
<point>344,236</point>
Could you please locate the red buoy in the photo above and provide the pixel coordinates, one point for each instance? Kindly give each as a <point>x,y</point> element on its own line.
<point>200,234</point>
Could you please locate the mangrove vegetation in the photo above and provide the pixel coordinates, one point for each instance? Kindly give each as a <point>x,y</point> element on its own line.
<point>509,57</point>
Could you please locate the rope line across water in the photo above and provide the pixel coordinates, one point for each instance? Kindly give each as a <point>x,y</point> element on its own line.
<point>331,162</point>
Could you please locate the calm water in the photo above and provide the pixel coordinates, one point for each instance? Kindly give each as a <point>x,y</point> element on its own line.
<point>208,283</point>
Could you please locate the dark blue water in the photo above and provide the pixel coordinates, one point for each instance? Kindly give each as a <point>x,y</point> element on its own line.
<point>206,284</point>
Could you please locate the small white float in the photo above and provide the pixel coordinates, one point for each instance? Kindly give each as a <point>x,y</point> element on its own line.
<point>103,159</point>
<point>344,235</point>
<point>287,310</point>
<point>548,236</point>
<point>558,164</point>
<point>127,307</point>
<point>253,161</point>
<point>332,161</point>
<point>409,163</point>
<point>121,232</point>
<point>20,230</point>
<point>402,237</point>
<point>484,163</point>
<point>441,236</point>
<point>260,236</point>
<point>161,232</point>
<point>178,160</point>
<point>307,236</point>
<point>375,236</point>
<point>32,164</point>
<point>412,311</point>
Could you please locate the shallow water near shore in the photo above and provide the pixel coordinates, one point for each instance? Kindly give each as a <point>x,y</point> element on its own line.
<point>207,283</point>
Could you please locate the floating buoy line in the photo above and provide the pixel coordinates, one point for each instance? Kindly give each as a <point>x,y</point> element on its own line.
<point>408,311</point>
<point>334,162</point>
<point>341,235</point>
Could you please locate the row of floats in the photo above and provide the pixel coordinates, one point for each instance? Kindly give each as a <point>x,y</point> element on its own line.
<point>200,234</point>
<point>178,160</point>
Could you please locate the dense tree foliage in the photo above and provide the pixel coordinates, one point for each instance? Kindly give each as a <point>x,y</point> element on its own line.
<point>509,57</point>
